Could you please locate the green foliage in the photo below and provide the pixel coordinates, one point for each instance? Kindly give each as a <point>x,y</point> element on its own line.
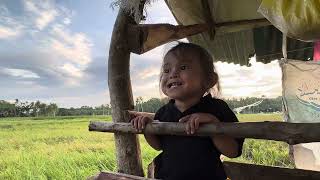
<point>26,109</point>
<point>85,111</point>
<point>259,117</point>
<point>152,105</point>
<point>63,148</point>
<point>265,152</point>
<point>267,105</point>
<point>39,109</point>
<point>6,109</point>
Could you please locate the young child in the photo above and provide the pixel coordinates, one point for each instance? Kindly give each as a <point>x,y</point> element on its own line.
<point>187,76</point>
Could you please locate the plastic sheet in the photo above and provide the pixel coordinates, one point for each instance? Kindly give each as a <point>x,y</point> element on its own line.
<point>301,95</point>
<point>299,19</point>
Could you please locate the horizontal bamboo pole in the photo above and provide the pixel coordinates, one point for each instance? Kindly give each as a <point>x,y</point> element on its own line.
<point>292,133</point>
<point>234,26</point>
<point>144,37</point>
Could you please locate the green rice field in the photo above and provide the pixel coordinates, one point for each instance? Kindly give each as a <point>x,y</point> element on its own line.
<point>63,148</point>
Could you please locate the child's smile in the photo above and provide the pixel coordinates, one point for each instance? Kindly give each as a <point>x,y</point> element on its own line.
<point>174,84</point>
<point>182,77</point>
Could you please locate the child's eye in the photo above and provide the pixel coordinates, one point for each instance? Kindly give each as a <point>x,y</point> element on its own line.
<point>165,70</point>
<point>183,67</point>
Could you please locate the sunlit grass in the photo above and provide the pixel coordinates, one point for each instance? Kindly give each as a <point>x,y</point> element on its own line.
<point>63,148</point>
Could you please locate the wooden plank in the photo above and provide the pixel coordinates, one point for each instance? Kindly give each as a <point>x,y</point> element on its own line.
<point>116,176</point>
<point>235,171</point>
<point>127,145</point>
<point>209,18</point>
<point>292,133</point>
<point>235,26</point>
<point>242,171</point>
<point>144,37</point>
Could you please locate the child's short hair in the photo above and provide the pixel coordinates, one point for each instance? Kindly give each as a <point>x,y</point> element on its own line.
<point>205,59</point>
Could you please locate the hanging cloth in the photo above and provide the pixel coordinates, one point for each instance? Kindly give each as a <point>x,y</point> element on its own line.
<point>301,100</point>
<point>298,19</point>
<point>316,52</point>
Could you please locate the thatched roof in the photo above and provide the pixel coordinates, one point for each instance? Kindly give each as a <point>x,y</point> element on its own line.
<point>234,45</point>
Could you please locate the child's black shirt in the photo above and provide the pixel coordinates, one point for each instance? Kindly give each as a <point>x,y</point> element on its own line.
<point>192,157</point>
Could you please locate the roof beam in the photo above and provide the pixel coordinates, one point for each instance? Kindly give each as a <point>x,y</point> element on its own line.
<point>234,26</point>
<point>144,37</point>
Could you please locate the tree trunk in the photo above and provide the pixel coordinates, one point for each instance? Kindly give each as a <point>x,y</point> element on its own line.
<point>127,145</point>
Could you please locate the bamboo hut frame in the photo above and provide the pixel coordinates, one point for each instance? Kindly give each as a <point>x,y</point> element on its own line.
<point>127,144</point>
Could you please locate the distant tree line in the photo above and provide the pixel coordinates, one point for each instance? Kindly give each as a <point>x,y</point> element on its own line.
<point>151,105</point>
<point>85,111</point>
<point>35,109</point>
<point>26,109</point>
<point>268,105</point>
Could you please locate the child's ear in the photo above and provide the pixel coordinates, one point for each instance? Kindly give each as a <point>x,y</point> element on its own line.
<point>213,80</point>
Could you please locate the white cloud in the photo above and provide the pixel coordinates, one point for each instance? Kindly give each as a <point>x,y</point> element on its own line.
<point>30,6</point>
<point>257,80</point>
<point>72,70</point>
<point>44,12</point>
<point>29,83</point>
<point>3,9</point>
<point>149,72</point>
<point>21,73</point>
<point>147,90</point>
<point>75,47</point>
<point>75,50</point>
<point>47,23</point>
<point>9,32</point>
<point>93,100</point>
<point>9,27</point>
<point>158,12</point>
<point>66,21</point>
<point>45,18</point>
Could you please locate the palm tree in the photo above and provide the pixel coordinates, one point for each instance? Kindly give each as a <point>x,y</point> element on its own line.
<point>141,102</point>
<point>137,103</point>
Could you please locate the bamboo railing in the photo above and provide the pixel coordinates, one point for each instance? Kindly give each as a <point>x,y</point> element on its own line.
<point>291,133</point>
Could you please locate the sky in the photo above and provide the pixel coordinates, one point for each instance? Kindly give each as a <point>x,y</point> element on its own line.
<point>56,51</point>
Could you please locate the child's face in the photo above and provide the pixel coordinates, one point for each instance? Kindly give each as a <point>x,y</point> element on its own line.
<point>182,77</point>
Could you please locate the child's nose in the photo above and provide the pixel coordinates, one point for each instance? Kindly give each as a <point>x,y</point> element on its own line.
<point>174,73</point>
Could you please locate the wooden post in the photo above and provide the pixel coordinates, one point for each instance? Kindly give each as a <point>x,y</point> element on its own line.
<point>127,145</point>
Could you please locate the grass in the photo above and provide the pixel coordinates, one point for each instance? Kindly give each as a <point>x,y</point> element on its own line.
<point>63,148</point>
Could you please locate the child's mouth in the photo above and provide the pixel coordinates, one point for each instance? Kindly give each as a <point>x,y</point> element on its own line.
<point>174,84</point>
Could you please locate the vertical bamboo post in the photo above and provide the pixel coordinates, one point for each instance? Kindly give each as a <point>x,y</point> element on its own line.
<point>127,145</point>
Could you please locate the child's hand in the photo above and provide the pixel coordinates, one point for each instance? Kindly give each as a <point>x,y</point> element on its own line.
<point>194,120</point>
<point>139,122</point>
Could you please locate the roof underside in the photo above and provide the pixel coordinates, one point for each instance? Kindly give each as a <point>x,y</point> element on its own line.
<point>236,47</point>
